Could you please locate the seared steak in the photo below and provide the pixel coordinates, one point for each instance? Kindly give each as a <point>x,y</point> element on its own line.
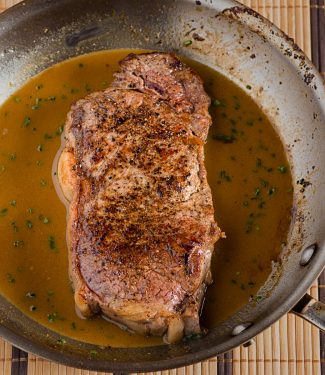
<point>141,227</point>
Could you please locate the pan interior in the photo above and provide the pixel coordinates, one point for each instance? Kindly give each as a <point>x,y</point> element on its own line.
<point>247,172</point>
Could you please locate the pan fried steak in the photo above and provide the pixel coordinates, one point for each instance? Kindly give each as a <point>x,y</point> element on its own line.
<point>141,227</point>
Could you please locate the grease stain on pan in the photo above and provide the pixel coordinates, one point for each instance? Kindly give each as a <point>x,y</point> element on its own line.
<point>266,30</point>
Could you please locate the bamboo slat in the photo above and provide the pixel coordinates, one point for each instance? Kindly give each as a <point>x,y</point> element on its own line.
<point>289,347</point>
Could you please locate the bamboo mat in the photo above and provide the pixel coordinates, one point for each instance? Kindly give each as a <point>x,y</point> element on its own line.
<point>289,347</point>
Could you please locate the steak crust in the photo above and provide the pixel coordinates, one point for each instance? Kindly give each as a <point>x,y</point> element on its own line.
<point>141,227</point>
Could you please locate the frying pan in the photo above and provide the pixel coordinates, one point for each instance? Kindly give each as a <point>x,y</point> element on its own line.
<point>39,33</point>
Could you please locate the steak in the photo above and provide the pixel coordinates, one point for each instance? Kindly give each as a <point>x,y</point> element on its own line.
<point>141,227</point>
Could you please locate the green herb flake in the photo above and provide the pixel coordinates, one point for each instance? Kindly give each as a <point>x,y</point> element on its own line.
<point>258,299</point>
<point>17,99</point>
<point>14,226</point>
<point>224,138</point>
<point>32,308</point>
<point>12,157</point>
<point>258,163</point>
<point>282,169</point>
<point>52,98</point>
<point>18,243</point>
<point>257,192</point>
<point>272,191</point>
<point>52,243</point>
<point>3,212</point>
<point>87,87</point>
<point>249,87</point>
<point>187,43</point>
<point>10,278</point>
<point>93,354</point>
<point>48,136</point>
<point>43,183</point>
<point>264,183</point>
<point>52,317</point>
<point>44,219</point>
<point>218,103</point>
<point>37,104</point>
<point>30,295</point>
<point>60,130</point>
<point>26,122</point>
<point>225,176</point>
<point>40,148</point>
<point>249,223</point>
<point>29,224</point>
<point>61,341</point>
<point>39,87</point>
<point>73,325</point>
<point>50,293</point>
<point>192,336</point>
<point>30,210</point>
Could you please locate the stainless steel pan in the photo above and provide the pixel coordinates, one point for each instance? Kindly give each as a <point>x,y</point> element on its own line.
<point>39,33</point>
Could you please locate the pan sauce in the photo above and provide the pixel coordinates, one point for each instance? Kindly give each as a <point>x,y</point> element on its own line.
<point>247,171</point>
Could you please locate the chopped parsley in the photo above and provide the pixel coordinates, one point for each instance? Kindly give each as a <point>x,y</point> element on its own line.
<point>44,219</point>
<point>29,224</point>
<point>3,212</point>
<point>52,243</point>
<point>93,353</point>
<point>31,295</point>
<point>61,341</point>
<point>225,176</point>
<point>53,317</point>
<point>14,226</point>
<point>282,169</point>
<point>60,130</point>
<point>218,103</point>
<point>224,138</point>
<point>18,243</point>
<point>26,121</point>
<point>10,278</point>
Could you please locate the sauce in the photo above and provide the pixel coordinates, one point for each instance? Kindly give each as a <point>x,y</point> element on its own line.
<point>247,171</point>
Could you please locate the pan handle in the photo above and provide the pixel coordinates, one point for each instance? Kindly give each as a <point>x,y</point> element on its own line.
<point>311,310</point>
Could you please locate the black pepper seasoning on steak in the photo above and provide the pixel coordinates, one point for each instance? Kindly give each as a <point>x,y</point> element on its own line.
<point>141,223</point>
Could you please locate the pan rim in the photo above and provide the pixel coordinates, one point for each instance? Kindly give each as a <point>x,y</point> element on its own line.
<point>186,359</point>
